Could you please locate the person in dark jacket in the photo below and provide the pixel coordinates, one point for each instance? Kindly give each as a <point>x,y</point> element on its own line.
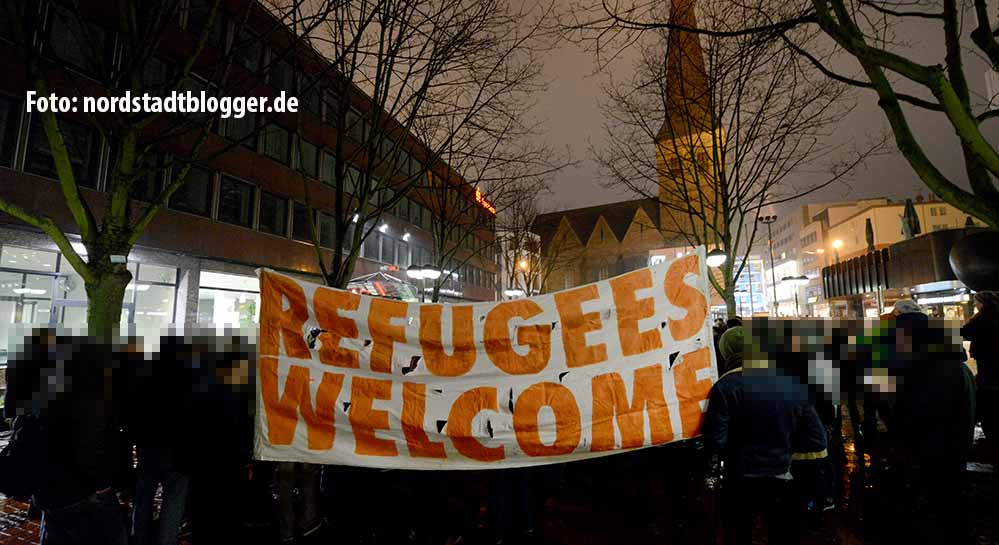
<point>982,330</point>
<point>157,383</point>
<point>935,420</point>
<point>77,499</point>
<point>756,419</point>
<point>219,441</point>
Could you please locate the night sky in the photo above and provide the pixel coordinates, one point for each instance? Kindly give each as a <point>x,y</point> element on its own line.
<point>574,121</point>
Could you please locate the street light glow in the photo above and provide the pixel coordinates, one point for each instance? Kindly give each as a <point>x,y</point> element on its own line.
<point>430,272</point>
<point>716,258</point>
<point>837,244</point>
<point>415,272</point>
<point>522,264</point>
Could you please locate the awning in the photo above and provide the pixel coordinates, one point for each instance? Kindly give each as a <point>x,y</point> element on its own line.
<point>384,285</point>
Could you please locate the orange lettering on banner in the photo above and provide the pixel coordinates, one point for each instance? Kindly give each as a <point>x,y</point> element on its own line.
<point>276,322</point>
<point>690,391</point>
<point>459,424</point>
<point>462,339</point>
<point>414,403</point>
<point>364,419</point>
<point>685,297</point>
<point>630,310</point>
<point>575,326</point>
<point>282,411</point>
<point>536,337</point>
<point>568,425</point>
<point>610,403</point>
<point>325,304</point>
<point>383,334</point>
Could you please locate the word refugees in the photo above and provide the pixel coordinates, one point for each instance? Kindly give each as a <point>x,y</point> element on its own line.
<point>619,364</point>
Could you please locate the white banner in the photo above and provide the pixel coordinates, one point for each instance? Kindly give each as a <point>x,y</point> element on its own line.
<point>615,365</point>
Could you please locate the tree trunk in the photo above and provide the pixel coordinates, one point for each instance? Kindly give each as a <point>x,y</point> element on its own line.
<point>730,306</point>
<point>104,301</point>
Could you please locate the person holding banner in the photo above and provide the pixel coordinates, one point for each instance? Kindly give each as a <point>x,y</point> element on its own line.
<point>756,419</point>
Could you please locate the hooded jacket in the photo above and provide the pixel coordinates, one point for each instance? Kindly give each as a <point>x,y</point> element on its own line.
<point>757,418</point>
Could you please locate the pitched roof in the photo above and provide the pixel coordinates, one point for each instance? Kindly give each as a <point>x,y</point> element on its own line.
<point>619,217</point>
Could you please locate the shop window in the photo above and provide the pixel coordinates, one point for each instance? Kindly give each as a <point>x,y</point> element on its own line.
<point>82,145</point>
<point>80,44</point>
<point>228,300</point>
<point>276,143</point>
<point>242,129</point>
<point>195,194</point>
<point>354,180</point>
<point>198,16</point>
<point>402,210</point>
<point>273,214</point>
<point>11,19</point>
<point>282,76</point>
<point>388,250</point>
<point>147,187</point>
<point>327,231</point>
<point>330,107</point>
<point>309,97</point>
<point>356,126</point>
<point>308,157</point>
<point>371,246</point>
<point>155,74</point>
<point>401,253</point>
<point>247,49</point>
<point>328,175</point>
<point>236,202</point>
<point>10,113</point>
<point>300,229</point>
<point>14,257</point>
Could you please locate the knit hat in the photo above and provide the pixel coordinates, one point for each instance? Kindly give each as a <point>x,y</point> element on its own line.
<point>907,306</point>
<point>732,345</point>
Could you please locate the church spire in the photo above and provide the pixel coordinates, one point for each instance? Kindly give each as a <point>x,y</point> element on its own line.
<point>687,98</point>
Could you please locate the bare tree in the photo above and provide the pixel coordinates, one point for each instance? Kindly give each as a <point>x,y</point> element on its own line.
<point>720,130</point>
<point>423,89</point>
<point>872,33</point>
<point>145,145</point>
<point>503,166</point>
<point>528,261</point>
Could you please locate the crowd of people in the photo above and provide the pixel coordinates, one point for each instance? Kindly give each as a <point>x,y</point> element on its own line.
<point>137,448</point>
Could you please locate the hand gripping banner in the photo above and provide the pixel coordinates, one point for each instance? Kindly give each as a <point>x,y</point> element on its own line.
<point>619,364</point>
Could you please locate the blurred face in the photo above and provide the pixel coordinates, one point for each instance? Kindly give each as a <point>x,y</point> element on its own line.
<point>903,343</point>
<point>237,375</point>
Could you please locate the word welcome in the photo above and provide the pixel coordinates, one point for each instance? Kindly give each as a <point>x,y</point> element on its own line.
<point>619,364</point>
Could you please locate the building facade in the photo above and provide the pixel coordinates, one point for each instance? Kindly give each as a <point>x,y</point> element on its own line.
<point>238,211</point>
<point>808,238</point>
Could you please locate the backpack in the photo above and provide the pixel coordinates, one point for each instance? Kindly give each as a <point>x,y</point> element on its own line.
<point>22,460</point>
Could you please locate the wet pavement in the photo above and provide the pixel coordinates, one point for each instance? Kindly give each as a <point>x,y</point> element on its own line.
<point>656,496</point>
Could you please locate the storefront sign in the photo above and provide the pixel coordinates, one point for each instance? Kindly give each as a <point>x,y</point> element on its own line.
<point>349,379</point>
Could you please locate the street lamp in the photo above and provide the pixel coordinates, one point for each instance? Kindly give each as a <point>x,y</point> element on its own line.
<point>716,258</point>
<point>837,244</point>
<point>795,282</point>
<point>769,221</point>
<point>423,273</point>
<point>514,292</point>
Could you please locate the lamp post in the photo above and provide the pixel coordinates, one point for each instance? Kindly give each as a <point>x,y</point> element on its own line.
<point>769,221</point>
<point>837,244</point>
<point>795,282</point>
